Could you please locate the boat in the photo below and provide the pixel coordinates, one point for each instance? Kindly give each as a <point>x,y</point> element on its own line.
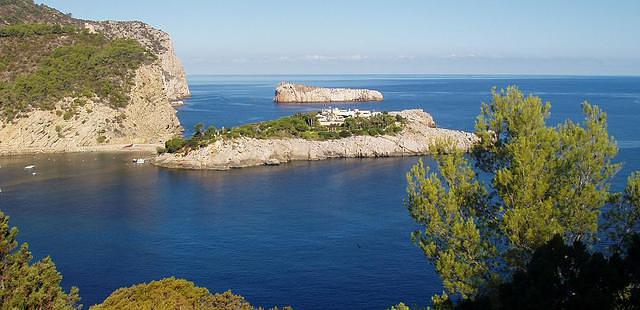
<point>29,167</point>
<point>138,160</point>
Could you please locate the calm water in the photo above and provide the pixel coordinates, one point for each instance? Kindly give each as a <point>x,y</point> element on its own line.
<point>319,235</point>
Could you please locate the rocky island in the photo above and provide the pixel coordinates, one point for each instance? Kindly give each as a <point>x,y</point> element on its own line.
<point>403,133</point>
<point>70,85</point>
<point>298,93</point>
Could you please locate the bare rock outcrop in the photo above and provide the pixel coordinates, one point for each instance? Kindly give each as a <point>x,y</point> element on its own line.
<point>418,135</point>
<point>298,93</point>
<point>148,119</point>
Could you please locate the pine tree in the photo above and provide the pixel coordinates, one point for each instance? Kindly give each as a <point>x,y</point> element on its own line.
<point>29,286</point>
<point>484,215</point>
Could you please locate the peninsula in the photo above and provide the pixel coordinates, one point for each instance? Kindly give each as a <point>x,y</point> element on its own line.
<point>327,134</point>
<point>70,85</point>
<point>298,93</point>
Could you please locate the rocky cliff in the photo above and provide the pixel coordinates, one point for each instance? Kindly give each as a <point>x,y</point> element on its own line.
<point>297,93</point>
<point>417,136</point>
<point>148,118</point>
<point>158,42</point>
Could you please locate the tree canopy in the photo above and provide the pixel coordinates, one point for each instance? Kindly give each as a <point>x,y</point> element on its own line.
<point>171,293</point>
<point>27,285</point>
<point>561,276</point>
<point>484,215</point>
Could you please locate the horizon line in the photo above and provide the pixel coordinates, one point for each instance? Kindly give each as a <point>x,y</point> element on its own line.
<point>419,74</point>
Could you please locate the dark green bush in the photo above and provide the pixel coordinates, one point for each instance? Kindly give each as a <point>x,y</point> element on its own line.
<point>174,144</point>
<point>171,293</point>
<point>301,125</point>
<point>23,30</point>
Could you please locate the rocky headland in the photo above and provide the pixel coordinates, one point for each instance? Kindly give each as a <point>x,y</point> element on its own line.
<point>418,134</point>
<point>298,93</point>
<point>148,117</point>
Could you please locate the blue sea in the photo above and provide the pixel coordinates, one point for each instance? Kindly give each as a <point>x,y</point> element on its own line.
<point>315,235</point>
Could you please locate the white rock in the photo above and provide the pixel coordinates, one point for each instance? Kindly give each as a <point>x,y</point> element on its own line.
<point>297,93</point>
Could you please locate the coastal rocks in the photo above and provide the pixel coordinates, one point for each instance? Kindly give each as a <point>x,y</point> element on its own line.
<point>297,93</point>
<point>149,118</point>
<point>415,139</point>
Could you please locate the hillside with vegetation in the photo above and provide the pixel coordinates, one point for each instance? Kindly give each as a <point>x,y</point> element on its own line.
<point>27,12</point>
<point>43,64</point>
<point>93,82</point>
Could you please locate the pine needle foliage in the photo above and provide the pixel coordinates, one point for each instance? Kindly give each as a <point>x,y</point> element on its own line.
<point>483,215</point>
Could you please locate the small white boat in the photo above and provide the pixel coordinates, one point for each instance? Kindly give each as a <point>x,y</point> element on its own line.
<point>138,160</point>
<point>29,167</point>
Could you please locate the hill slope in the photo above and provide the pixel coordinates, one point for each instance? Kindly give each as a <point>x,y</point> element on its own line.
<point>71,85</point>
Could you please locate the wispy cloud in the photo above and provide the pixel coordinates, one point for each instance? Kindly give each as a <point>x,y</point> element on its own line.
<point>342,58</point>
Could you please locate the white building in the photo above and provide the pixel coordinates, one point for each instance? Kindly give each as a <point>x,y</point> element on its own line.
<point>335,116</point>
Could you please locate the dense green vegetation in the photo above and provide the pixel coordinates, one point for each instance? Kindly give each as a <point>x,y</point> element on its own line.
<point>23,55</point>
<point>46,57</point>
<point>24,30</point>
<point>26,11</point>
<point>561,276</point>
<point>565,276</point>
<point>27,285</point>
<point>171,293</point>
<point>89,66</point>
<point>544,181</point>
<point>301,125</point>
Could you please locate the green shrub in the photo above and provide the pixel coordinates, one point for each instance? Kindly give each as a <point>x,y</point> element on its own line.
<point>310,135</point>
<point>175,144</point>
<point>68,114</point>
<point>172,293</point>
<point>27,284</point>
<point>327,135</point>
<point>301,125</point>
<point>23,30</point>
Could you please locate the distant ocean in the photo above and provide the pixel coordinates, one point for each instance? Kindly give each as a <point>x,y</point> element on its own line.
<point>314,235</point>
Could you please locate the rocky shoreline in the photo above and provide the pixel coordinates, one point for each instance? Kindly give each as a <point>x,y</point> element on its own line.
<point>419,134</point>
<point>298,93</point>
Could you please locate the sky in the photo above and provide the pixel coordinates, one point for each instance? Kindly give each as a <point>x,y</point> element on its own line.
<point>567,37</point>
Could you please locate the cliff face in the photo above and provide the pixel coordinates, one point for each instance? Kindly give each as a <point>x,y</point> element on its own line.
<point>296,93</point>
<point>415,139</point>
<point>148,118</point>
<point>158,42</point>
